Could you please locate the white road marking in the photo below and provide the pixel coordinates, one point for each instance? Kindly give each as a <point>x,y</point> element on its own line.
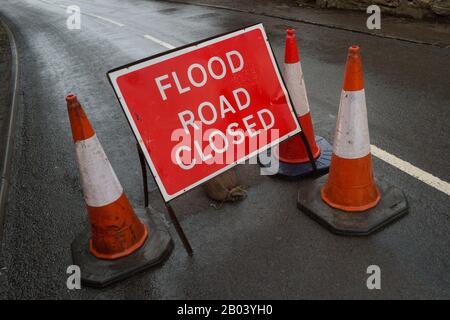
<point>86,14</point>
<point>160,42</point>
<point>104,19</point>
<point>412,170</point>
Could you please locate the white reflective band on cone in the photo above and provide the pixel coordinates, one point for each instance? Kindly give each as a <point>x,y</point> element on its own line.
<point>351,140</point>
<point>293,76</point>
<point>99,181</point>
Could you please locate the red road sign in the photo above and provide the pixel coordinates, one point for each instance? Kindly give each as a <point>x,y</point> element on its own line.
<point>198,110</point>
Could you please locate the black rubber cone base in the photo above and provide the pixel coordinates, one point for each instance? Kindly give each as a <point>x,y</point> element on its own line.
<point>289,170</point>
<point>100,273</point>
<point>393,205</point>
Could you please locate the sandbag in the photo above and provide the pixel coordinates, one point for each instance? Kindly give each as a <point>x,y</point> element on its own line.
<point>225,187</point>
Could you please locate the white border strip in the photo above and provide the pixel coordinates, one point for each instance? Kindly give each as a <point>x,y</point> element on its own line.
<point>413,171</point>
<point>114,75</point>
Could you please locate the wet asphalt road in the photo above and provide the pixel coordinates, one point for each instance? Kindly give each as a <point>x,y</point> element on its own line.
<point>262,247</point>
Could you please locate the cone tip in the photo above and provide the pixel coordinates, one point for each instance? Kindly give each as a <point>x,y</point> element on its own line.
<point>81,127</point>
<point>71,97</point>
<point>354,50</point>
<point>291,50</point>
<point>353,78</point>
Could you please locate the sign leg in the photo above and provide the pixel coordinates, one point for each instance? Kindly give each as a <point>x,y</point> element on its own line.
<point>308,150</point>
<point>179,229</point>
<point>170,210</point>
<point>144,175</point>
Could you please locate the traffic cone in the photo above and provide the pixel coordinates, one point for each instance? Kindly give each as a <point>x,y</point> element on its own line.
<point>348,200</point>
<point>291,155</point>
<point>121,241</point>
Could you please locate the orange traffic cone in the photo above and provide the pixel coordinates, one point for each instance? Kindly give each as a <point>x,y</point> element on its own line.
<point>350,185</point>
<point>120,244</point>
<point>291,155</point>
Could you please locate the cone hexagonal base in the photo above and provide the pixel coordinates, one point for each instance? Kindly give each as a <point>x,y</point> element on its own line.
<point>393,205</point>
<point>292,170</point>
<point>100,273</point>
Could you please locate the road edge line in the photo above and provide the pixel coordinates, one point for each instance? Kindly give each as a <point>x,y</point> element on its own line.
<point>6,170</point>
